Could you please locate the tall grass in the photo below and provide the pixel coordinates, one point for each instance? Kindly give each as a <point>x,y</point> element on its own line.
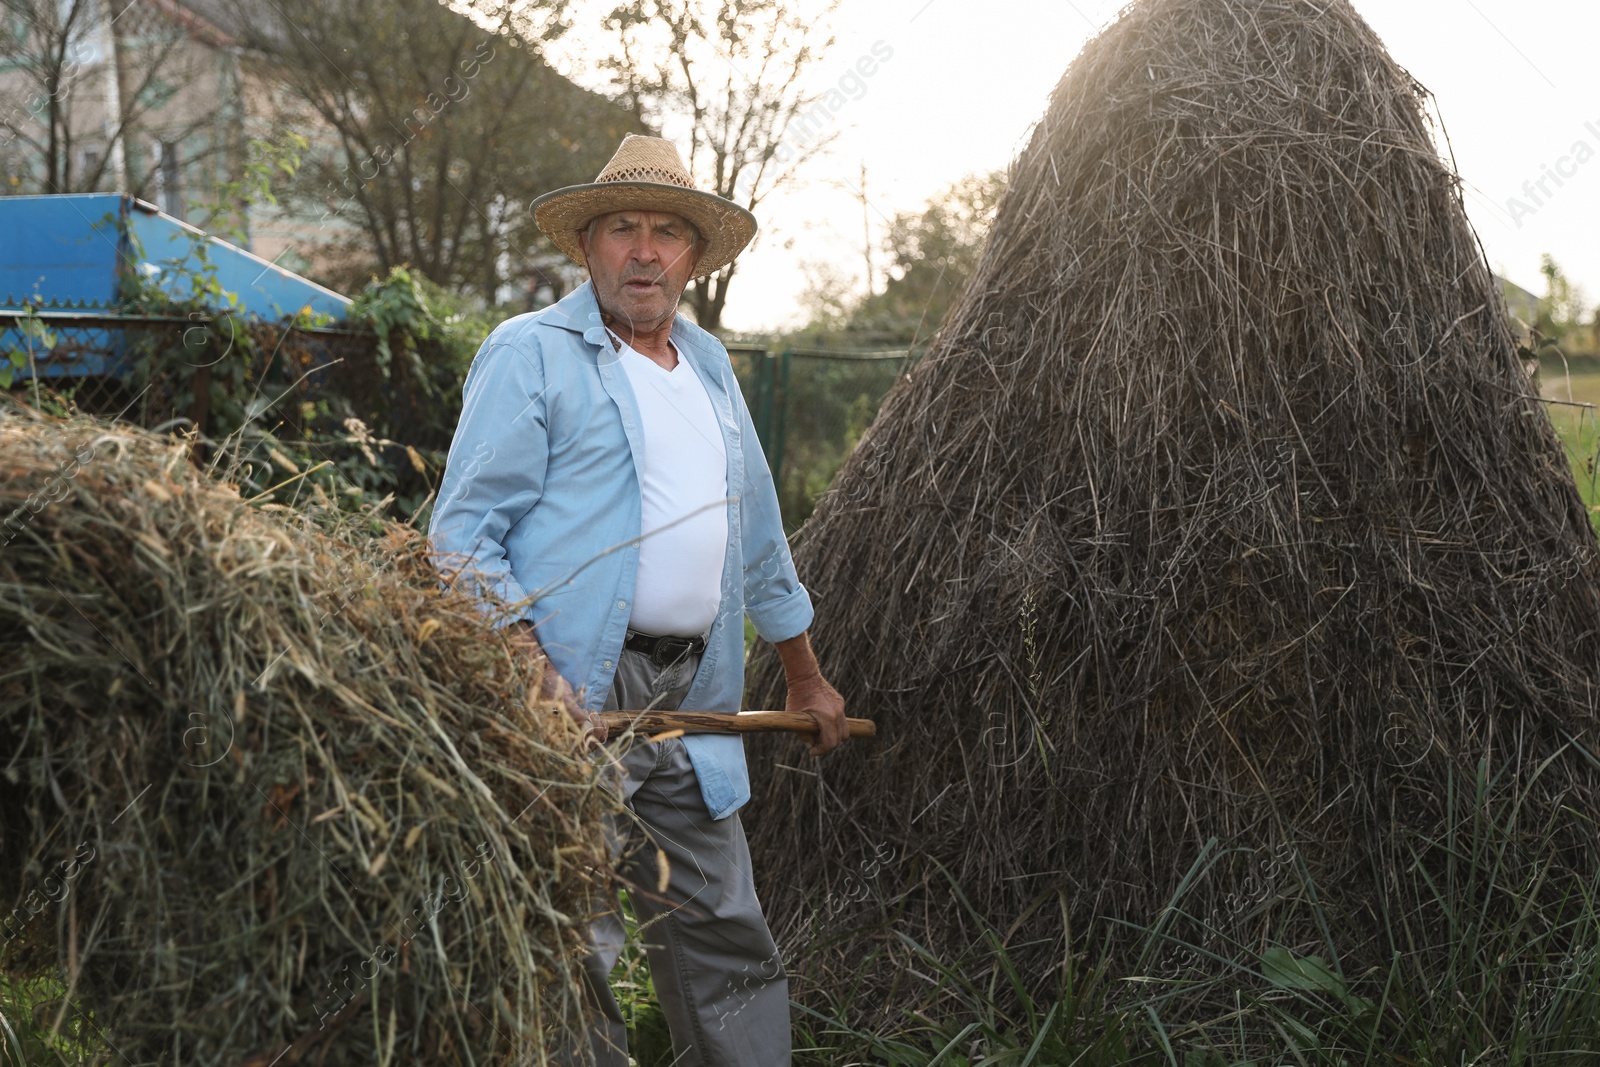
<point>1489,960</point>
<point>649,1040</point>
<point>976,1008</point>
<point>1570,385</point>
<point>27,1010</point>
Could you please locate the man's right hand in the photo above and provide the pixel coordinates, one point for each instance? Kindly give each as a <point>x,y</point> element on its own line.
<point>552,686</point>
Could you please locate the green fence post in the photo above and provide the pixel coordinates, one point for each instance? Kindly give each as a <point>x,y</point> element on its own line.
<point>764,389</point>
<point>776,457</point>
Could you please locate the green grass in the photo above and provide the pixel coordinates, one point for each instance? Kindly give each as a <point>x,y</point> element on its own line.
<point>1578,427</point>
<point>1489,954</point>
<point>977,1009</point>
<point>649,1040</point>
<point>1492,959</point>
<point>27,1011</point>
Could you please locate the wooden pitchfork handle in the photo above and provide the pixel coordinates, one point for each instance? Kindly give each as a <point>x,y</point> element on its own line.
<point>716,722</point>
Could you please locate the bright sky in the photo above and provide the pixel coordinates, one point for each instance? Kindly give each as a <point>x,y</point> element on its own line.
<point>1517,83</point>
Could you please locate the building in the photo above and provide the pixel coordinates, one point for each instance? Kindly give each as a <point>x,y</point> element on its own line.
<point>192,105</point>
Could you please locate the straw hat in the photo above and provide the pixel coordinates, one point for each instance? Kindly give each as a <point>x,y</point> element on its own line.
<point>646,174</point>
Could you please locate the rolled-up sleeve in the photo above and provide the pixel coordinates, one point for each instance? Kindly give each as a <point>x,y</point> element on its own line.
<point>777,604</point>
<point>496,469</point>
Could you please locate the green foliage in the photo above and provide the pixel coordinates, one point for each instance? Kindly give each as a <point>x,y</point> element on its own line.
<point>461,322</point>
<point>649,1039</point>
<point>1285,970</point>
<point>36,338</point>
<point>358,418</point>
<point>1492,946</point>
<point>827,406</point>
<point>1522,1004</point>
<point>266,164</point>
<point>396,310</point>
<point>820,407</point>
<point>28,1033</point>
<point>1575,386</point>
<point>931,254</point>
<point>963,1021</point>
<point>358,422</point>
<point>1561,312</point>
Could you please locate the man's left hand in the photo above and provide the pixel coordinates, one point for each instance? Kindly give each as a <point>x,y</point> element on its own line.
<point>825,704</point>
<point>810,692</point>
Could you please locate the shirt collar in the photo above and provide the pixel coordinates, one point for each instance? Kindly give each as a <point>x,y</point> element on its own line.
<point>578,312</point>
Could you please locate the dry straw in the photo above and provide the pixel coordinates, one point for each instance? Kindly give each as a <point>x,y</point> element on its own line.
<point>267,792</point>
<point>1219,510</point>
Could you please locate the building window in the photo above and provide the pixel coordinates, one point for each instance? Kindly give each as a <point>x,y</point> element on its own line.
<point>89,166</point>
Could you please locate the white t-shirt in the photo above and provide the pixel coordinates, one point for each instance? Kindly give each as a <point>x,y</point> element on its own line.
<point>683,500</point>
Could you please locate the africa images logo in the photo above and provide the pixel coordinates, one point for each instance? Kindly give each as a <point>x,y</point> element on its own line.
<point>1538,191</point>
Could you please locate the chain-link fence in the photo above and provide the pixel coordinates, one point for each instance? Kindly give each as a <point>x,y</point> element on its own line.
<point>254,387</point>
<point>810,407</point>
<point>74,349</point>
<point>164,370</point>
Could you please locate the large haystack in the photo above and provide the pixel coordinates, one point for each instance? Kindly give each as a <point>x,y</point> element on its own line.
<point>1219,511</point>
<point>268,795</point>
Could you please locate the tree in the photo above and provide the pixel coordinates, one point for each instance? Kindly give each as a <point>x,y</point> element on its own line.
<point>1561,311</point>
<point>931,254</point>
<point>432,131</point>
<point>730,74</point>
<point>86,80</point>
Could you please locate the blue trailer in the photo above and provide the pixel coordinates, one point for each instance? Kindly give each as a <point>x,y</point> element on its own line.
<point>67,263</point>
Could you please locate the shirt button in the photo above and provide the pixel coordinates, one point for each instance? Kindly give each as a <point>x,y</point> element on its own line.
<point>621,604</point>
<point>606,665</point>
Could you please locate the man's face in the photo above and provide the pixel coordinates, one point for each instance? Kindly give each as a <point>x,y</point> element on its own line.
<point>639,262</point>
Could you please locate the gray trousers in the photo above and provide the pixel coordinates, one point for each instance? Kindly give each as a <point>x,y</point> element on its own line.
<point>712,959</point>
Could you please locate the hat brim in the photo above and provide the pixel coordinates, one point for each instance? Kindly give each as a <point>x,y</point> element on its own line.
<point>726,227</point>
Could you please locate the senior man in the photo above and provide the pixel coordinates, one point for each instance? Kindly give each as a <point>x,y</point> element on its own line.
<point>605,479</point>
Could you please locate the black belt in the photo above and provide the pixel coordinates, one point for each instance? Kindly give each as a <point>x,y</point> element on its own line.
<point>664,651</point>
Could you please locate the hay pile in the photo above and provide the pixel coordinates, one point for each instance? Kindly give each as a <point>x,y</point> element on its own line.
<point>267,795</point>
<point>1218,512</point>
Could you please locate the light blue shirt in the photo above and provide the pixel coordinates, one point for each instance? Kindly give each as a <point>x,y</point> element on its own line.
<point>540,507</point>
